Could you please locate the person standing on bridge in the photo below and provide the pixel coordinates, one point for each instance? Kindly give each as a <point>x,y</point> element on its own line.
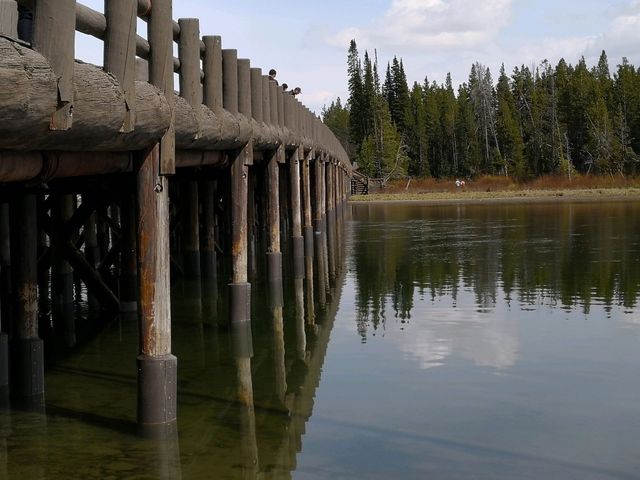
<point>272,75</point>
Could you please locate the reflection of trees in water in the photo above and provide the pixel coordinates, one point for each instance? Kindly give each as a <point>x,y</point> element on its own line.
<point>570,255</point>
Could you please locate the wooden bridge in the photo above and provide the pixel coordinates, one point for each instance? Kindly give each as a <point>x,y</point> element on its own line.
<point>110,180</point>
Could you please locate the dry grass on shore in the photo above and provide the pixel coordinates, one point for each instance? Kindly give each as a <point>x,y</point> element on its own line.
<point>498,187</point>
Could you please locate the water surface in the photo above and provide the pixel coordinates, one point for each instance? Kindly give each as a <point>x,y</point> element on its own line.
<point>458,342</point>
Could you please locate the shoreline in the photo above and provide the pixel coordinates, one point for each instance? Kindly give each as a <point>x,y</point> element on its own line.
<point>505,196</point>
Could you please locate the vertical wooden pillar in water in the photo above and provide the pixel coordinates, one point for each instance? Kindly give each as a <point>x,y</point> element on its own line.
<point>92,253</point>
<point>157,368</point>
<point>296,205</point>
<point>6,296</point>
<point>61,272</point>
<point>240,289</point>
<point>320,234</point>
<point>308,236</point>
<point>331,219</point>
<point>28,360</point>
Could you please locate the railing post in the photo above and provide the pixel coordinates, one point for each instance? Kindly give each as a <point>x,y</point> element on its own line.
<point>54,30</point>
<point>160,33</point>
<point>9,18</point>
<point>120,52</point>
<point>157,367</point>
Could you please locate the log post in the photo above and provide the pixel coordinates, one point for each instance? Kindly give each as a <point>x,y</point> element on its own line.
<point>5,297</point>
<point>308,236</point>
<point>61,271</point>
<point>208,239</point>
<point>239,289</point>
<point>92,253</point>
<point>6,307</point>
<point>128,258</point>
<point>120,52</point>
<point>212,97</point>
<point>331,219</point>
<point>160,33</point>
<point>212,66</point>
<point>318,233</point>
<point>28,360</point>
<point>294,176</point>
<point>54,30</point>
<point>9,18</point>
<point>157,367</point>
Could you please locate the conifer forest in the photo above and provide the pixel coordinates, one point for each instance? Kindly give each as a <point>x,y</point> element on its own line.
<point>548,120</point>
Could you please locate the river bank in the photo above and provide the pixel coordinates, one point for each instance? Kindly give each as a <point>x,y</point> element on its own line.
<point>503,196</point>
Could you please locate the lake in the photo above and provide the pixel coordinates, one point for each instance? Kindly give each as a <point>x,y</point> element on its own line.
<point>457,341</point>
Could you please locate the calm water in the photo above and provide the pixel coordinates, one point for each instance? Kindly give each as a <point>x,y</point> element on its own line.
<point>458,342</point>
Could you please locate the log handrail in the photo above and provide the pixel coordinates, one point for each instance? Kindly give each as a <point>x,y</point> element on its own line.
<point>297,126</point>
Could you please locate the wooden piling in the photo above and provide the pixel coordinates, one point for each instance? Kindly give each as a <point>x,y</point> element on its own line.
<point>54,30</point>
<point>61,271</point>
<point>208,239</point>
<point>92,253</point>
<point>240,289</point>
<point>28,357</point>
<point>128,257</point>
<point>5,297</point>
<point>308,237</point>
<point>157,368</point>
<point>331,219</point>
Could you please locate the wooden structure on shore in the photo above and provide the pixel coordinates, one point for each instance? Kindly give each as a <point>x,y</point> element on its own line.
<point>111,180</point>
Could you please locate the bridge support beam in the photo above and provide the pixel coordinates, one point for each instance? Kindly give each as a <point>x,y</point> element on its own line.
<point>128,260</point>
<point>28,354</point>
<point>331,219</point>
<point>157,367</point>
<point>296,213</point>
<point>208,240</point>
<point>308,236</point>
<point>274,253</point>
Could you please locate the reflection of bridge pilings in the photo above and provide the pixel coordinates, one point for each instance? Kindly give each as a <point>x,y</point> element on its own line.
<point>243,352</point>
<point>164,445</point>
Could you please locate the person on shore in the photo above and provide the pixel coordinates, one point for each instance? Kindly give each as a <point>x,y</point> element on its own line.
<point>458,183</point>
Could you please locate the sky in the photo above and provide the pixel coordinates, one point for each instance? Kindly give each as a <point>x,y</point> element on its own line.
<point>307,41</point>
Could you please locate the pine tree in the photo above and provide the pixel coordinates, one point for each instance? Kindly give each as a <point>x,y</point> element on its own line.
<point>356,103</point>
<point>509,136</point>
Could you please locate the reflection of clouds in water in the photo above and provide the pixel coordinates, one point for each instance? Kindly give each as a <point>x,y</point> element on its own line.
<point>487,339</point>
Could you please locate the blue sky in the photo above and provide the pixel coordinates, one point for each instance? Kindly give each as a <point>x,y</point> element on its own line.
<point>306,41</point>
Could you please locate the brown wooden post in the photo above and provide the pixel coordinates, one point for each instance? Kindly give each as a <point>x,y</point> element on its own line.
<point>191,91</point>
<point>208,240</point>
<point>128,258</point>
<point>157,367</point>
<point>120,52</point>
<point>308,237</point>
<point>9,18</point>
<point>160,33</point>
<point>54,30</point>
<point>331,219</point>
<point>320,234</point>
<point>61,271</point>
<point>212,66</point>
<point>28,361</point>
<point>294,176</point>
<point>5,285</point>
<point>240,289</point>
<point>212,97</point>
<point>92,253</point>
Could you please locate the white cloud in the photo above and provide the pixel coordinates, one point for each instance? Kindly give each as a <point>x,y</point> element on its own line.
<point>432,24</point>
